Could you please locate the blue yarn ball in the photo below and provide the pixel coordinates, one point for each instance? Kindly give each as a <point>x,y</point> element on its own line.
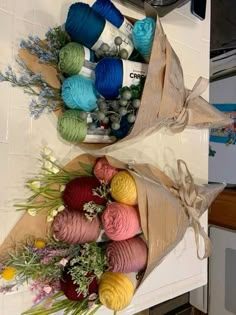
<point>107,9</point>
<point>109,77</point>
<point>143,35</point>
<point>83,24</point>
<point>79,93</point>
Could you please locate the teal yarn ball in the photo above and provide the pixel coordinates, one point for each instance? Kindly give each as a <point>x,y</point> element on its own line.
<point>143,35</point>
<point>71,127</point>
<point>79,93</point>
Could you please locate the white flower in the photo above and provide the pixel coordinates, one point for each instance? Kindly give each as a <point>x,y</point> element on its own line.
<point>48,165</point>
<point>32,212</point>
<point>61,208</point>
<point>50,218</point>
<point>47,151</point>
<point>92,297</point>
<point>53,213</point>
<point>62,188</point>
<point>47,289</point>
<point>55,169</point>
<point>52,158</point>
<point>63,261</point>
<point>35,184</point>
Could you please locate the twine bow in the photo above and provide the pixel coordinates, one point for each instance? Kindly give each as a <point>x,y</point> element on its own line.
<point>178,124</point>
<point>185,191</point>
<point>188,195</point>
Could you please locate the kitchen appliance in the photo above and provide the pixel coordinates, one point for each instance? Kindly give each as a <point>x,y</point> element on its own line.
<point>222,282</point>
<point>163,7</point>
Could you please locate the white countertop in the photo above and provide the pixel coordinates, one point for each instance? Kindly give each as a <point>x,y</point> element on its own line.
<point>21,139</point>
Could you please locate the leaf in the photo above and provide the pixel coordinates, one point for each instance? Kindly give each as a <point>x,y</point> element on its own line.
<point>87,168</point>
<point>94,310</point>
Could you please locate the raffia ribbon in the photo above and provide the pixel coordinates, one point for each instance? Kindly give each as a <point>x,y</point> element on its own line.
<point>179,123</point>
<point>186,191</point>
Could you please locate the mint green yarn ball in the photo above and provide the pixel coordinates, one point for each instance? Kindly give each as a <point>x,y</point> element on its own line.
<point>71,58</point>
<point>71,127</point>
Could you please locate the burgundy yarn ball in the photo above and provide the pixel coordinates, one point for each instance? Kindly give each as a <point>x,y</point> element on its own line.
<point>69,288</point>
<point>72,227</point>
<point>80,191</point>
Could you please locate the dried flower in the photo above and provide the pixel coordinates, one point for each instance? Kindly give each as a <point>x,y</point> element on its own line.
<point>92,209</point>
<point>39,244</point>
<point>8,273</point>
<point>32,212</point>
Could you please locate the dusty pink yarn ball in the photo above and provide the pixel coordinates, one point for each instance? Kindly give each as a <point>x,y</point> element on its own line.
<point>72,227</point>
<point>120,221</point>
<point>104,171</point>
<point>127,256</point>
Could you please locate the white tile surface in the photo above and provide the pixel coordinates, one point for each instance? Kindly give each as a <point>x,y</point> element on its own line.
<point>21,139</point>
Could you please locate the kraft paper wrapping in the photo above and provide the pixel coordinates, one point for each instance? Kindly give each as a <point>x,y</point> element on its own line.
<point>167,209</point>
<point>165,100</point>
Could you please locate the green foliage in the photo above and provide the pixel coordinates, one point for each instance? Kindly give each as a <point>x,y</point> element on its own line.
<point>89,265</point>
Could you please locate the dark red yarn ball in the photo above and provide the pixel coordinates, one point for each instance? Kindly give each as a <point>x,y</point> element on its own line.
<point>80,191</point>
<point>69,288</point>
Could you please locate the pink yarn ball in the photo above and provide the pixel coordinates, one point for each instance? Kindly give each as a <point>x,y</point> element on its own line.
<point>104,171</point>
<point>72,227</point>
<point>120,221</point>
<point>127,256</point>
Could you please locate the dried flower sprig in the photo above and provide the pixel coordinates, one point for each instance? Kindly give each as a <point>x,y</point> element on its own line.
<point>44,97</point>
<point>102,191</point>
<point>47,50</point>
<point>29,261</point>
<point>47,187</point>
<point>91,210</point>
<point>89,265</point>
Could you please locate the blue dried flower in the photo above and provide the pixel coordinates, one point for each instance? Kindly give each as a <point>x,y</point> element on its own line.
<point>2,78</point>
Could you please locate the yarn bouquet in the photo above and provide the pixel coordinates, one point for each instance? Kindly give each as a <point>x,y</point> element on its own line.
<point>94,230</point>
<point>107,79</point>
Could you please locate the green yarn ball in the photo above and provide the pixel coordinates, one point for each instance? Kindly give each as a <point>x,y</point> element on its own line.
<point>71,127</point>
<point>71,58</point>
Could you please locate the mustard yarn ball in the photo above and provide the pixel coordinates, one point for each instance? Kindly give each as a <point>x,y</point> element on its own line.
<point>115,290</point>
<point>123,188</point>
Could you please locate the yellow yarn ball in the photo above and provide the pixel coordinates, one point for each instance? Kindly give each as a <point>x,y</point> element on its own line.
<point>123,188</point>
<point>115,290</point>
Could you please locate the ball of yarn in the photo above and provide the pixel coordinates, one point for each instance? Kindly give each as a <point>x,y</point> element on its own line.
<point>82,18</point>
<point>127,256</point>
<point>109,77</point>
<point>120,221</point>
<point>71,58</point>
<point>69,288</point>
<point>79,93</point>
<point>71,127</point>
<point>143,35</point>
<point>80,191</point>
<point>115,290</point>
<point>104,171</point>
<point>125,128</point>
<point>123,188</point>
<point>108,10</point>
<point>72,227</point>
